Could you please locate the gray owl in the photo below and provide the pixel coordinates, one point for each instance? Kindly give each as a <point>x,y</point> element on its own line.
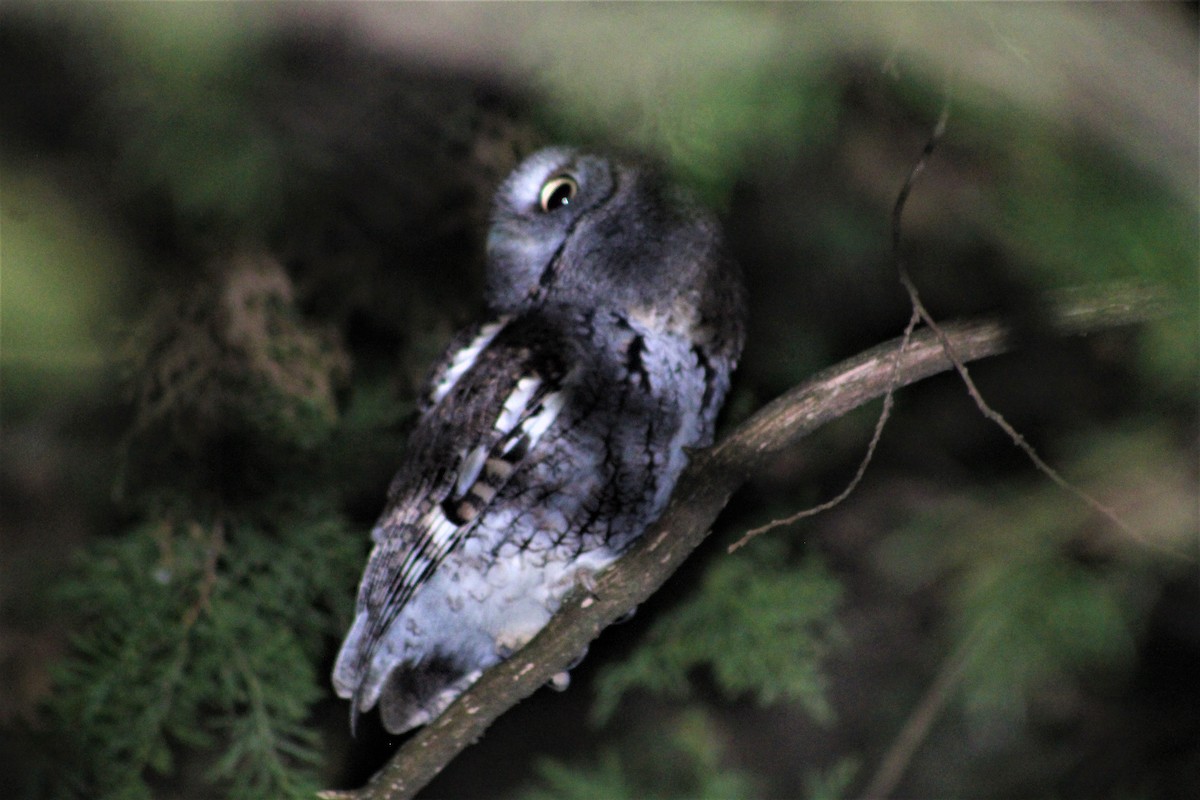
<point>549,436</point>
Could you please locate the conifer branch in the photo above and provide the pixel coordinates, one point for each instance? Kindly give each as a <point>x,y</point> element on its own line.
<point>702,492</point>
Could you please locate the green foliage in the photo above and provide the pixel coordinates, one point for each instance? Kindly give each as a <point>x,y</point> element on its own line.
<point>199,630</point>
<point>120,691</point>
<point>1040,618</point>
<point>232,347</point>
<point>370,433</point>
<point>1074,213</point>
<point>59,265</point>
<point>1043,587</point>
<point>833,783</point>
<point>758,622</point>
<point>201,637</point>
<point>707,121</point>
<point>201,140</point>
<point>680,759</point>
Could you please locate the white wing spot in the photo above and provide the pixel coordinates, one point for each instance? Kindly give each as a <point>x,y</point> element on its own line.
<point>536,425</point>
<point>441,529</point>
<point>469,472</point>
<point>465,358</point>
<point>516,403</point>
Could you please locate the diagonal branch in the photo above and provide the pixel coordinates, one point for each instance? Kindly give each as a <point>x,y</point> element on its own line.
<point>703,490</point>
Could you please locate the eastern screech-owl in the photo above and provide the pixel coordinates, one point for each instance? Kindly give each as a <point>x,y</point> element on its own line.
<point>551,435</point>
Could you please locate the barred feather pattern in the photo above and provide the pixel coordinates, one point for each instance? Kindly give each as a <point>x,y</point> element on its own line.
<point>549,438</point>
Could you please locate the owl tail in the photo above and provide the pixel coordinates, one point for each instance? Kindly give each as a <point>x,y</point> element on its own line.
<point>415,694</point>
<point>354,714</point>
<point>409,694</point>
<point>351,672</point>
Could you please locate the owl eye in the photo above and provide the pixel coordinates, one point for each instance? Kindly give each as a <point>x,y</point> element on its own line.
<point>557,192</point>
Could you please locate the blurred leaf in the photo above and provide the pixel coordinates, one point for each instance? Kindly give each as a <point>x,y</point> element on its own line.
<point>61,271</point>
<point>1076,214</point>
<point>201,138</point>
<point>1052,589</point>
<point>205,637</point>
<point>760,623</point>
<point>833,783</point>
<point>680,759</point>
<point>708,117</point>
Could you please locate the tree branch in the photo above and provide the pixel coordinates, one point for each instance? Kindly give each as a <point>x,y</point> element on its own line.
<point>703,490</point>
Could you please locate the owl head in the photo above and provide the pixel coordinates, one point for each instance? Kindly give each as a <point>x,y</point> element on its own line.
<point>571,229</point>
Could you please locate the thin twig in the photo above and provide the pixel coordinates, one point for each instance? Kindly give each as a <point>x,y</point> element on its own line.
<point>215,547</point>
<point>904,747</point>
<point>888,398</point>
<point>884,414</point>
<point>894,763</point>
<point>1004,425</point>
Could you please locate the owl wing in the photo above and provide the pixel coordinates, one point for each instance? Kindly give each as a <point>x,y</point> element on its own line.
<point>462,352</point>
<point>491,404</point>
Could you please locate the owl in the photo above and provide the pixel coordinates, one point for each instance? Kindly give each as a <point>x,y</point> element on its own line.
<point>551,434</point>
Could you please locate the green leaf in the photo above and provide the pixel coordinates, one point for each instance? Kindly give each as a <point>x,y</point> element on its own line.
<point>681,758</point>
<point>201,638</point>
<point>759,623</point>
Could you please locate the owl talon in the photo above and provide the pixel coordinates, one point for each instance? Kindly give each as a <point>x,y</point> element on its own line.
<point>587,579</point>
<point>561,680</point>
<point>628,615</point>
<point>578,659</point>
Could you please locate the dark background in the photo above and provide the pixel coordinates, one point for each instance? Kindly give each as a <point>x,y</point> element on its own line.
<point>233,236</point>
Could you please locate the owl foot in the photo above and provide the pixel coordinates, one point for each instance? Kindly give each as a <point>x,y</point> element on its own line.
<point>561,680</point>
<point>587,579</point>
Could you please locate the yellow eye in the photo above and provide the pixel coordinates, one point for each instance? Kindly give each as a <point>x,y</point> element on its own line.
<point>557,192</point>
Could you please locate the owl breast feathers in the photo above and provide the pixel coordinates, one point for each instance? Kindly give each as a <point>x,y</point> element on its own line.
<point>551,435</point>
